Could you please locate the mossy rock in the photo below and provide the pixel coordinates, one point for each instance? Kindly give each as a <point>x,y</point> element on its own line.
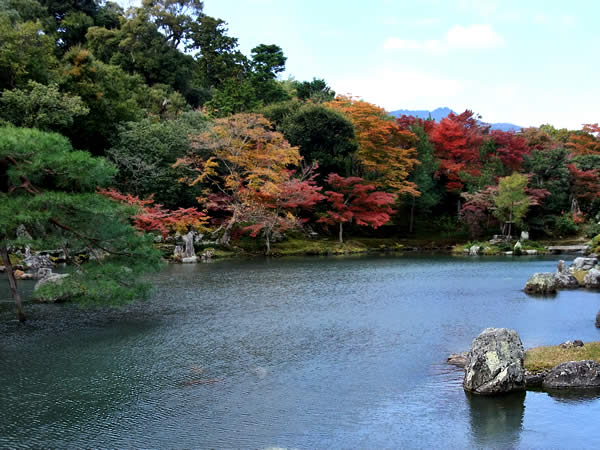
<point>580,276</point>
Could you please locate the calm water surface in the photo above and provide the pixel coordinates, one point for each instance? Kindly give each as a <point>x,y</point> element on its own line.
<point>303,353</point>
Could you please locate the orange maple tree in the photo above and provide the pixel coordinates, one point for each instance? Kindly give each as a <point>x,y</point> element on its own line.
<point>245,168</point>
<point>386,151</point>
<point>586,142</point>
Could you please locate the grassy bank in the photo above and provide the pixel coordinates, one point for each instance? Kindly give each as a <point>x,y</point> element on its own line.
<point>543,358</point>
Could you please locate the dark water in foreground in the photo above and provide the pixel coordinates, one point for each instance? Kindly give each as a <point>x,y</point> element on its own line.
<point>304,353</point>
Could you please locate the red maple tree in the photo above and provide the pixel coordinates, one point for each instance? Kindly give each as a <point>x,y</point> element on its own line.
<point>457,139</point>
<point>510,148</point>
<point>353,200</point>
<point>153,217</point>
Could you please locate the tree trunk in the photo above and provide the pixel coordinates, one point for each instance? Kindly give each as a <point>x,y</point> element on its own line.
<point>13,284</point>
<point>458,207</point>
<point>510,224</point>
<point>341,232</point>
<point>268,240</point>
<point>412,216</point>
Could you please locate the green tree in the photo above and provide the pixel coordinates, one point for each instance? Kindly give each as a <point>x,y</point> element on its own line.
<point>315,90</point>
<point>50,189</point>
<point>512,201</point>
<point>26,53</point>
<point>40,106</point>
<point>324,136</point>
<point>549,169</point>
<point>111,95</point>
<point>145,152</point>
<point>217,54</point>
<point>423,176</point>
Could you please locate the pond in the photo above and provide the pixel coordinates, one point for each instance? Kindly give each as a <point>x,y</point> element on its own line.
<point>296,352</point>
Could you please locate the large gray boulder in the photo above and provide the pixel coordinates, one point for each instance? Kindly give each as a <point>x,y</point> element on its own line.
<point>581,263</point>
<point>541,283</point>
<point>574,374</point>
<point>564,277</point>
<point>495,363</point>
<point>592,279</point>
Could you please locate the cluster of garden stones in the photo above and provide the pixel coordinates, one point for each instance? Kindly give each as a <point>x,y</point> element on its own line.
<point>583,272</point>
<point>494,365</point>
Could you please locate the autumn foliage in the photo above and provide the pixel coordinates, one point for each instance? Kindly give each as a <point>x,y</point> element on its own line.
<point>353,200</point>
<point>153,217</point>
<point>386,151</point>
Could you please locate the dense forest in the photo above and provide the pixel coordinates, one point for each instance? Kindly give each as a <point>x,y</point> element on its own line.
<point>176,129</point>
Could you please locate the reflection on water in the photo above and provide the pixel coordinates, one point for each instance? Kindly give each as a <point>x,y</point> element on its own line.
<point>496,420</point>
<point>298,352</point>
<point>574,396</point>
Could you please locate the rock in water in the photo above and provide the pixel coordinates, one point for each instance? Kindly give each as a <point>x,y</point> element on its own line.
<point>495,363</point>
<point>582,263</point>
<point>564,278</point>
<point>458,359</point>
<point>50,298</point>
<point>592,279</point>
<point>574,374</point>
<point>541,283</point>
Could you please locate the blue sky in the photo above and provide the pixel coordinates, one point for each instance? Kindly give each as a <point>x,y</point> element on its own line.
<point>527,62</point>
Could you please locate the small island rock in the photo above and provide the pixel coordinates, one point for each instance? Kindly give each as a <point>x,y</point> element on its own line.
<point>574,374</point>
<point>592,279</point>
<point>495,363</point>
<point>541,283</point>
<point>458,359</point>
<point>564,277</point>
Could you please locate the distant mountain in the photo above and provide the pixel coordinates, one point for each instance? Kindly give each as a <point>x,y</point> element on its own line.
<point>439,113</point>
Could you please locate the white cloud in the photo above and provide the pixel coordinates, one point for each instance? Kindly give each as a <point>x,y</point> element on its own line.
<point>457,37</point>
<point>427,21</point>
<point>401,87</point>
<point>475,36</point>
<point>482,7</point>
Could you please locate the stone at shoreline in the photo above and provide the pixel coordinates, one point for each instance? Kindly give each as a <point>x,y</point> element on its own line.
<point>189,251</point>
<point>564,277</point>
<point>50,298</point>
<point>495,363</point>
<point>574,374</point>
<point>592,279</point>
<point>475,250</point>
<point>35,262</point>
<point>458,359</point>
<point>571,344</point>
<point>541,283</point>
<point>2,269</point>
<point>581,263</point>
<point>535,379</point>
<point>189,260</point>
<point>531,252</point>
<point>518,248</point>
<point>20,275</point>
